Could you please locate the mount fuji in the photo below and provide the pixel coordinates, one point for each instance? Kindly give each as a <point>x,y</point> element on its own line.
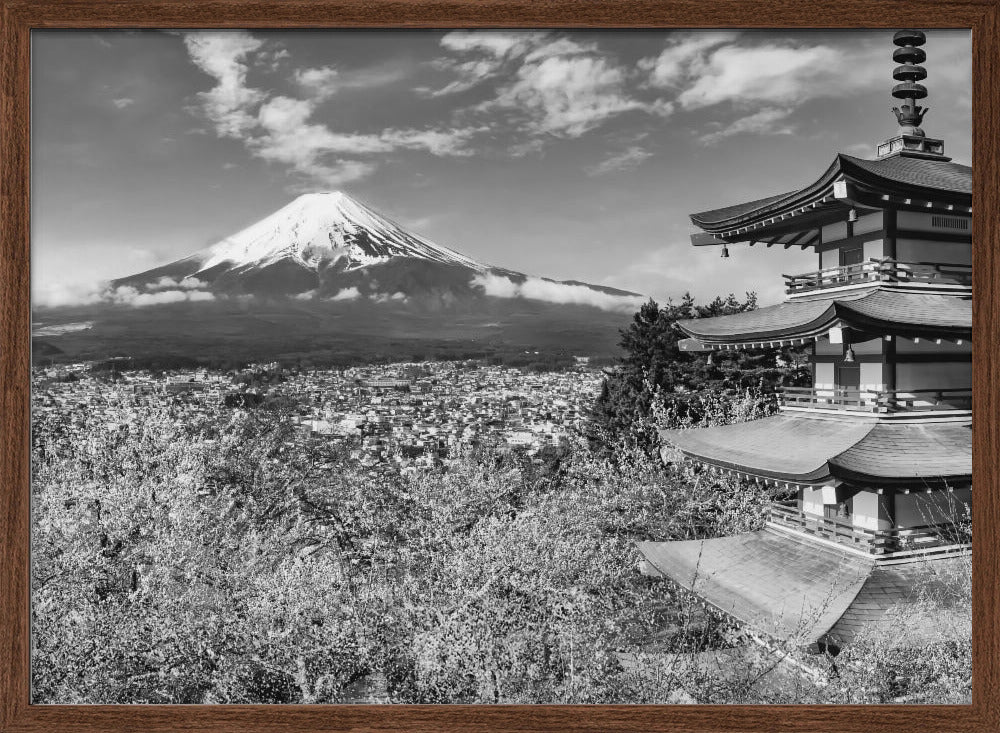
<point>328,245</point>
<point>329,279</point>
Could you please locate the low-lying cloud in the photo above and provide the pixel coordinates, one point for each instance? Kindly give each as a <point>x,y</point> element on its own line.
<point>536,288</point>
<point>164,290</point>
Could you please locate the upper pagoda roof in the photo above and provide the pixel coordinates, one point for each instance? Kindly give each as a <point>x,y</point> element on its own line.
<point>813,449</point>
<point>939,182</point>
<point>880,309</point>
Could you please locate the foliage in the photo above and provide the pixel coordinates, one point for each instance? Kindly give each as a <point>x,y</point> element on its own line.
<point>688,388</point>
<point>186,562</point>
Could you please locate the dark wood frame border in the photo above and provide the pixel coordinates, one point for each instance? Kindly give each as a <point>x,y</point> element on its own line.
<point>18,17</point>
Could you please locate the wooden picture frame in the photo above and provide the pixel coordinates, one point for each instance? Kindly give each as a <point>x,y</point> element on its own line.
<point>19,17</point>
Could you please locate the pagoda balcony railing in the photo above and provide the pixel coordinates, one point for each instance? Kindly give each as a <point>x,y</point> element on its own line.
<point>876,401</point>
<point>912,539</point>
<point>879,271</point>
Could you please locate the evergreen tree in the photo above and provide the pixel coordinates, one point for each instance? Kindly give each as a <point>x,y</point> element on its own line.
<point>654,368</point>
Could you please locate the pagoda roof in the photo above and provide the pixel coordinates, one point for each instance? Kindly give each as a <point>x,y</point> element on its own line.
<point>881,309</point>
<point>793,589</point>
<point>914,178</point>
<point>810,448</point>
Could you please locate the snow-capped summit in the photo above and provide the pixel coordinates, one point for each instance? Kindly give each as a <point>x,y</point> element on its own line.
<point>319,229</point>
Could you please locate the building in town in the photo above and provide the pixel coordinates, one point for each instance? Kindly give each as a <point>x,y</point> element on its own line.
<point>875,456</point>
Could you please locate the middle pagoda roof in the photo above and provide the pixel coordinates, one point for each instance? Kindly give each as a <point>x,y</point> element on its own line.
<point>881,310</point>
<point>810,449</point>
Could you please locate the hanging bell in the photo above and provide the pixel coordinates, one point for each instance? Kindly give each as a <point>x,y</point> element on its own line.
<point>725,251</point>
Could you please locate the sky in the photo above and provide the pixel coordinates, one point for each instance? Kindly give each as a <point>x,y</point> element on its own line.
<point>571,155</point>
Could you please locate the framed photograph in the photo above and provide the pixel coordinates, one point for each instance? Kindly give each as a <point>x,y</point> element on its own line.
<point>498,366</point>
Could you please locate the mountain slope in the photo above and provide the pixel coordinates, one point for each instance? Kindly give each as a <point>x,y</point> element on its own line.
<point>291,249</point>
<point>328,244</point>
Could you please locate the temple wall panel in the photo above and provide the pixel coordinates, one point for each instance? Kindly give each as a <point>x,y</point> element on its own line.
<point>835,231</point>
<point>872,377</point>
<point>925,346</point>
<point>874,249</point>
<point>920,221</point>
<point>926,250</point>
<point>812,501</point>
<point>920,508</point>
<point>824,375</point>
<point>870,510</point>
<point>868,223</point>
<point>933,375</point>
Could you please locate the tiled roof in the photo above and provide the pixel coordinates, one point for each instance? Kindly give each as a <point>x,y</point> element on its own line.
<point>889,311</point>
<point>911,309</point>
<point>786,588</point>
<point>890,586</point>
<point>797,590</point>
<point>939,175</point>
<point>942,451</point>
<point>787,447</point>
<point>810,448</point>
<point>898,173</point>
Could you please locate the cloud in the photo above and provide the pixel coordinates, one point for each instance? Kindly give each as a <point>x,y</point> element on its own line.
<point>497,44</point>
<point>168,283</point>
<point>675,62</point>
<point>768,121</point>
<point>627,160</point>
<point>164,290</point>
<point>492,51</point>
<point>553,85</point>
<point>222,55</point>
<point>123,102</point>
<point>535,288</point>
<point>571,95</point>
<point>351,293</point>
<point>320,83</point>
<point>58,295</point>
<point>323,82</point>
<point>775,74</point>
<point>282,129</point>
<point>763,82</point>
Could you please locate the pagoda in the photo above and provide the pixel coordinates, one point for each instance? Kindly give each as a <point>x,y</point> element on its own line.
<point>875,458</point>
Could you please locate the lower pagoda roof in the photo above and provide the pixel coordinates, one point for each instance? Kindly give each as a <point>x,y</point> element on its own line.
<point>882,310</point>
<point>805,448</point>
<point>796,590</point>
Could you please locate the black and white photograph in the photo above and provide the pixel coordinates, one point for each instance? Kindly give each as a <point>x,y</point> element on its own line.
<point>501,367</point>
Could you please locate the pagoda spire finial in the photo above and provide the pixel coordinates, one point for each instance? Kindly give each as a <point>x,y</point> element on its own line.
<point>909,140</point>
<point>909,54</point>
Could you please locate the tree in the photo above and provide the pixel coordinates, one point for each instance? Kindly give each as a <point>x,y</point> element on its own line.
<point>655,374</point>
